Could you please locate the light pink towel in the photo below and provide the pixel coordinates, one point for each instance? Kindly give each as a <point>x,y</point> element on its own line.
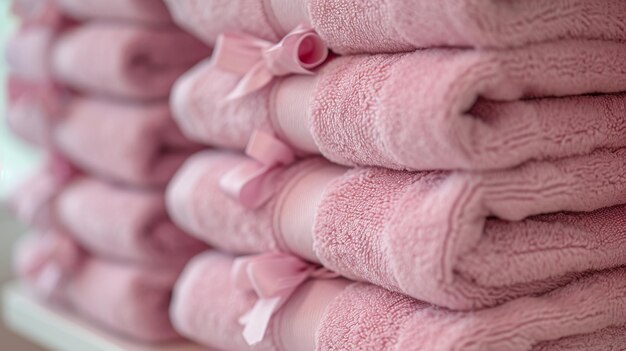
<point>115,223</point>
<point>32,109</point>
<point>457,239</point>
<point>124,60</point>
<point>131,301</point>
<point>138,11</point>
<point>357,26</point>
<point>125,142</point>
<point>431,109</point>
<point>338,315</point>
<point>28,50</point>
<point>27,53</point>
<point>114,59</point>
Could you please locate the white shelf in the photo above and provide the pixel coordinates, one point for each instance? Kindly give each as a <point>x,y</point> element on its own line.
<point>59,330</point>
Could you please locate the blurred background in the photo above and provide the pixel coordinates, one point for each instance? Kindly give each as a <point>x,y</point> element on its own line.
<point>16,161</point>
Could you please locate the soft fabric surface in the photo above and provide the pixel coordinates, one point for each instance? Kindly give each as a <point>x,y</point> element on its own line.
<point>28,52</point>
<point>33,108</point>
<point>194,194</point>
<point>138,11</point>
<point>43,13</point>
<point>457,239</point>
<point>335,315</point>
<point>115,223</point>
<point>358,26</point>
<point>124,60</point>
<point>431,109</point>
<point>131,143</point>
<point>115,59</point>
<point>131,301</point>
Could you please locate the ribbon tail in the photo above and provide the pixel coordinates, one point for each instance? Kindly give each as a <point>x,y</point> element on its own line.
<point>244,319</point>
<point>251,183</point>
<point>267,149</point>
<point>258,319</point>
<point>33,209</point>
<point>257,78</point>
<point>237,52</point>
<point>50,279</point>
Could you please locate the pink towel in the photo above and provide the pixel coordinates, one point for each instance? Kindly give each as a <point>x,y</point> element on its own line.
<point>121,141</point>
<point>431,109</point>
<point>132,301</point>
<point>125,60</point>
<point>30,108</point>
<point>28,50</point>
<point>457,239</point>
<point>139,11</point>
<point>357,26</point>
<point>116,223</point>
<point>115,59</point>
<point>27,53</point>
<point>337,315</point>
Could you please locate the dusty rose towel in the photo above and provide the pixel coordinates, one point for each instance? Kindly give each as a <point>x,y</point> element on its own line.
<point>357,26</point>
<point>450,238</point>
<point>337,315</point>
<point>125,142</point>
<point>142,11</point>
<point>124,224</point>
<point>115,59</point>
<point>431,109</point>
<point>129,300</point>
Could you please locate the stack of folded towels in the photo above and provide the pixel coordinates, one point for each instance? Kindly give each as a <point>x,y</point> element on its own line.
<point>475,195</point>
<point>89,84</point>
<point>384,175</point>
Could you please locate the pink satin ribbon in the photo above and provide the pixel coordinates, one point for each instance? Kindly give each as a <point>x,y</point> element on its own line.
<point>274,277</point>
<point>37,209</point>
<point>38,12</point>
<point>254,181</point>
<point>259,61</point>
<point>51,99</point>
<point>50,260</point>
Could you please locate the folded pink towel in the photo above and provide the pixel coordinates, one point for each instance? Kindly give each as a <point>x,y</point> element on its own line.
<point>339,315</point>
<point>30,108</point>
<point>431,109</point>
<point>125,142</point>
<point>28,50</point>
<point>125,60</point>
<point>116,59</point>
<point>27,53</point>
<point>116,223</point>
<point>457,239</point>
<point>357,26</point>
<point>139,11</point>
<point>132,301</point>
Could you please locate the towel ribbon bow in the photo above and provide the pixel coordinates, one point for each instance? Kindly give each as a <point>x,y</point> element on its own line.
<point>41,12</point>
<point>253,182</point>
<point>259,61</point>
<point>51,259</point>
<point>274,277</point>
<point>36,209</point>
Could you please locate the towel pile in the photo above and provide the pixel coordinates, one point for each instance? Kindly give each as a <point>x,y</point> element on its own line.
<point>417,175</point>
<point>370,175</point>
<point>89,84</point>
